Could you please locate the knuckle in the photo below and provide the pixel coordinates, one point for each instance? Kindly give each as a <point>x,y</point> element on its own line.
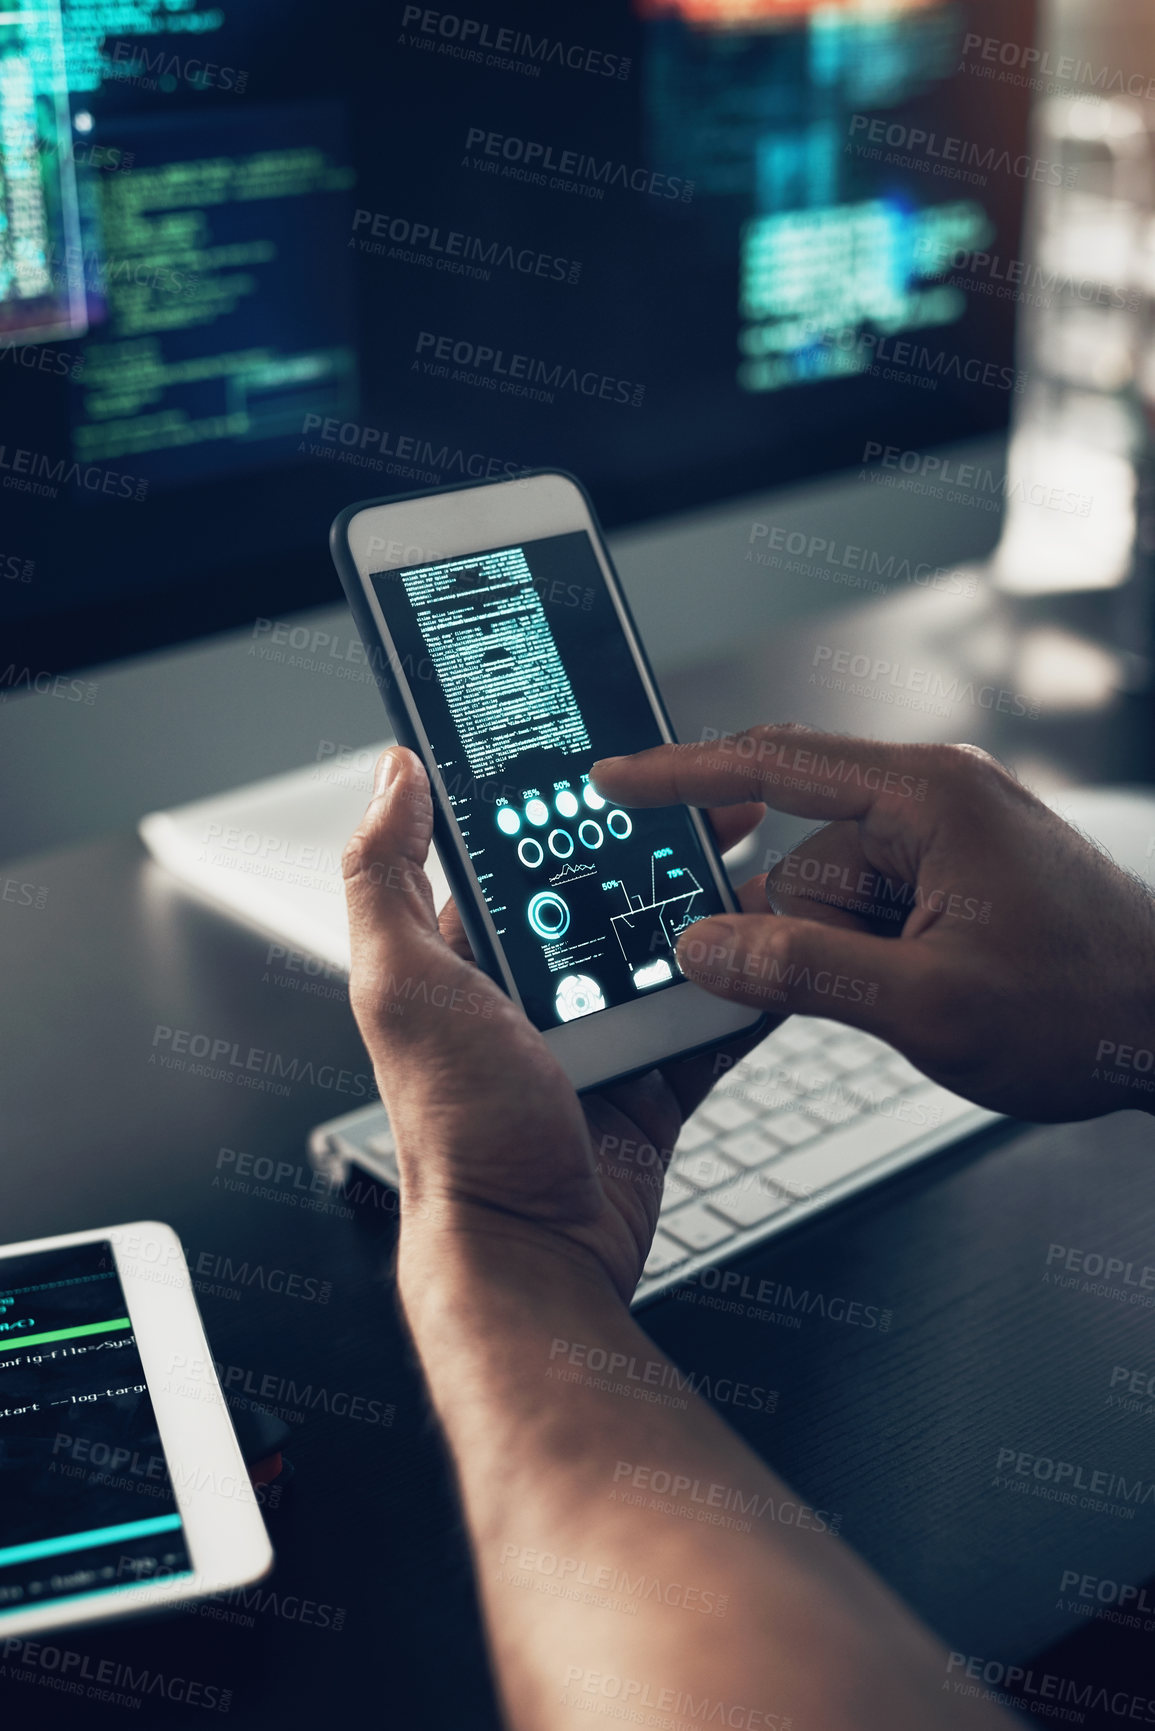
<point>364,989</point>
<point>777,882</point>
<point>776,947</point>
<point>373,990</point>
<point>353,856</point>
<point>972,765</point>
<point>778,937</point>
<point>773,727</point>
<point>766,736</point>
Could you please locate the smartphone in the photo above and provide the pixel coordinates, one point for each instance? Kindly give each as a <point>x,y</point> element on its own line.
<point>119,1493</point>
<point>505,653</point>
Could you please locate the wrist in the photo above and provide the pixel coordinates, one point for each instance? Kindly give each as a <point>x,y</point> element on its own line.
<point>467,1257</point>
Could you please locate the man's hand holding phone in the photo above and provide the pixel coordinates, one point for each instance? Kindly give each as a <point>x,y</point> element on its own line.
<point>492,1141</point>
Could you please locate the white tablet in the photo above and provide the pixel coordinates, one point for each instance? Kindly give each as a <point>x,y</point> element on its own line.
<point>122,1487</point>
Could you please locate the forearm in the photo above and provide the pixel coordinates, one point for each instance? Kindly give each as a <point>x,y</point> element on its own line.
<point>592,1598</point>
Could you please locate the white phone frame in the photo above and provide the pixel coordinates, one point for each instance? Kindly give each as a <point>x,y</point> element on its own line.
<point>222,1523</point>
<point>425,529</point>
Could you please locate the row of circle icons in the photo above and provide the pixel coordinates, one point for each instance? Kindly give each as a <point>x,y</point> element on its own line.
<point>509,819</point>
<point>560,842</point>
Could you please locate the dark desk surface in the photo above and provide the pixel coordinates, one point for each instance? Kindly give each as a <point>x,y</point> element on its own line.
<point>899,1430</point>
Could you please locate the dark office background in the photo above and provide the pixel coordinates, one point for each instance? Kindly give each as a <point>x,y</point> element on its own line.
<point>725,242</point>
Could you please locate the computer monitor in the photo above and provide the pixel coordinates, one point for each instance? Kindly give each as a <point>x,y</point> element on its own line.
<point>38,199</point>
<point>686,249</point>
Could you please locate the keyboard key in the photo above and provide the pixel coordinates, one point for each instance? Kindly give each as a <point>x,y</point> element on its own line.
<point>748,1201</point>
<point>696,1227</point>
<point>345,1148</point>
<point>790,1128</point>
<point>724,1112</point>
<point>871,1088</point>
<point>840,1153</point>
<point>664,1253</point>
<point>676,1191</point>
<point>750,1147</point>
<point>765,1086</point>
<point>780,1075</point>
<point>832,1108</point>
<point>813,1075</point>
<point>703,1169</point>
<point>796,1037</point>
<point>778,1096</point>
<point>928,1106</point>
<point>695,1133</point>
<point>851,1052</point>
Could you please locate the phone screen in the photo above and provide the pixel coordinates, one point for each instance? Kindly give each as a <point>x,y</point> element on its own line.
<point>86,1503</point>
<point>523,678</point>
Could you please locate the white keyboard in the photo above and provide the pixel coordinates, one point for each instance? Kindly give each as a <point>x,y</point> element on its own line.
<point>816,1112</point>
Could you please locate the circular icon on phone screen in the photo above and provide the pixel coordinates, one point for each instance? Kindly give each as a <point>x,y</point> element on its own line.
<point>548,915</point>
<point>577,995</point>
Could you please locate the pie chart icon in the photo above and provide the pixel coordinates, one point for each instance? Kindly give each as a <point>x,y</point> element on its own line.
<point>577,995</point>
